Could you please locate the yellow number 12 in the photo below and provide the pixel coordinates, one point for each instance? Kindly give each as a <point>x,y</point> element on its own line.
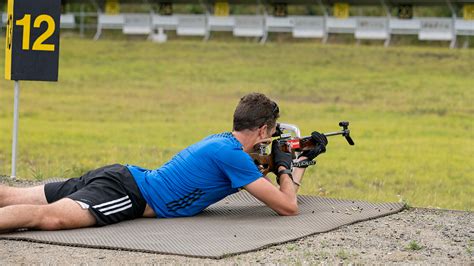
<point>38,45</point>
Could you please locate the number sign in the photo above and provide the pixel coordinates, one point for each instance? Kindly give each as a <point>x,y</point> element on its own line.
<point>405,11</point>
<point>221,9</point>
<point>32,43</point>
<point>112,7</point>
<point>341,10</point>
<point>468,11</point>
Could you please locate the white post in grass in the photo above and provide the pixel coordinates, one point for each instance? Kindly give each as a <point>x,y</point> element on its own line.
<point>15,127</point>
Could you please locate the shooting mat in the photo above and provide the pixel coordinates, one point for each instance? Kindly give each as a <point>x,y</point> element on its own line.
<point>237,224</point>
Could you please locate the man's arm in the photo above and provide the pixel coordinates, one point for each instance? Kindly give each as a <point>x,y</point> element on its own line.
<point>283,200</point>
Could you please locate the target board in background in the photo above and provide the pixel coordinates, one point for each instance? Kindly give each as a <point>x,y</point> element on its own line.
<point>31,49</point>
<point>32,40</point>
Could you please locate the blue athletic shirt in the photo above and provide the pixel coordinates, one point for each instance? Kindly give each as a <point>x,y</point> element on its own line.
<point>197,177</point>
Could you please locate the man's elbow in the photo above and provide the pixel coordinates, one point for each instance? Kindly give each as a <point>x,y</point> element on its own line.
<point>289,210</point>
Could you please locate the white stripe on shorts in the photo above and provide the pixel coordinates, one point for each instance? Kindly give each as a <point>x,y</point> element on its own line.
<point>115,206</point>
<point>110,202</point>
<point>119,210</point>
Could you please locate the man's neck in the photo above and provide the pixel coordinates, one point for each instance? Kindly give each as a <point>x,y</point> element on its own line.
<point>247,138</point>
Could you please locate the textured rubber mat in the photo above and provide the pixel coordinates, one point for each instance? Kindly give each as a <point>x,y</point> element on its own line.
<point>237,224</point>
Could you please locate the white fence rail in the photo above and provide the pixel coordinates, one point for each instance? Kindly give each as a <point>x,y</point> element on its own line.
<point>363,28</point>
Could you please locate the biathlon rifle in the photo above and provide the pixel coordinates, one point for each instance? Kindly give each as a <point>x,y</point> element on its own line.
<point>292,143</point>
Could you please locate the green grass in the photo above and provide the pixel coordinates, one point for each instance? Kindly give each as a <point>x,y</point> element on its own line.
<point>342,254</point>
<point>469,246</point>
<point>136,102</point>
<point>413,246</point>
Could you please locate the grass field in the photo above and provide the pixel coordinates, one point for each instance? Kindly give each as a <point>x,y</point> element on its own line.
<point>411,111</point>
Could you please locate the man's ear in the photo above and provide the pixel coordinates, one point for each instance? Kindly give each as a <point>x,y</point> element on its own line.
<point>262,131</point>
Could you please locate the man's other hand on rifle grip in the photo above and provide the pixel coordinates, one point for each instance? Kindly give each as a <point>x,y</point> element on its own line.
<point>280,158</point>
<point>320,146</point>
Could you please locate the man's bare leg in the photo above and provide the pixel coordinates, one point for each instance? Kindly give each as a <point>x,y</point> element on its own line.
<point>15,195</point>
<point>62,214</point>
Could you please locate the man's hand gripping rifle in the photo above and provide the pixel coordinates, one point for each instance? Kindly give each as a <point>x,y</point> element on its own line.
<point>296,145</point>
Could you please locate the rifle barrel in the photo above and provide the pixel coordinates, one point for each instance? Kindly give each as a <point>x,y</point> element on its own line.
<point>335,133</point>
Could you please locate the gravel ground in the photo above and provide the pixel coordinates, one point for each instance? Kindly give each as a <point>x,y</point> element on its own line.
<point>415,236</point>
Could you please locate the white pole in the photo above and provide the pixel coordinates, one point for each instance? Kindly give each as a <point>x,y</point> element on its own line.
<point>15,127</point>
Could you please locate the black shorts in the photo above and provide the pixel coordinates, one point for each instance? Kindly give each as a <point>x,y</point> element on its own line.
<point>109,193</point>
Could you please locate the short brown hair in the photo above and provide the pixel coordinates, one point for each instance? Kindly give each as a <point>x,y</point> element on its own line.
<point>255,110</point>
